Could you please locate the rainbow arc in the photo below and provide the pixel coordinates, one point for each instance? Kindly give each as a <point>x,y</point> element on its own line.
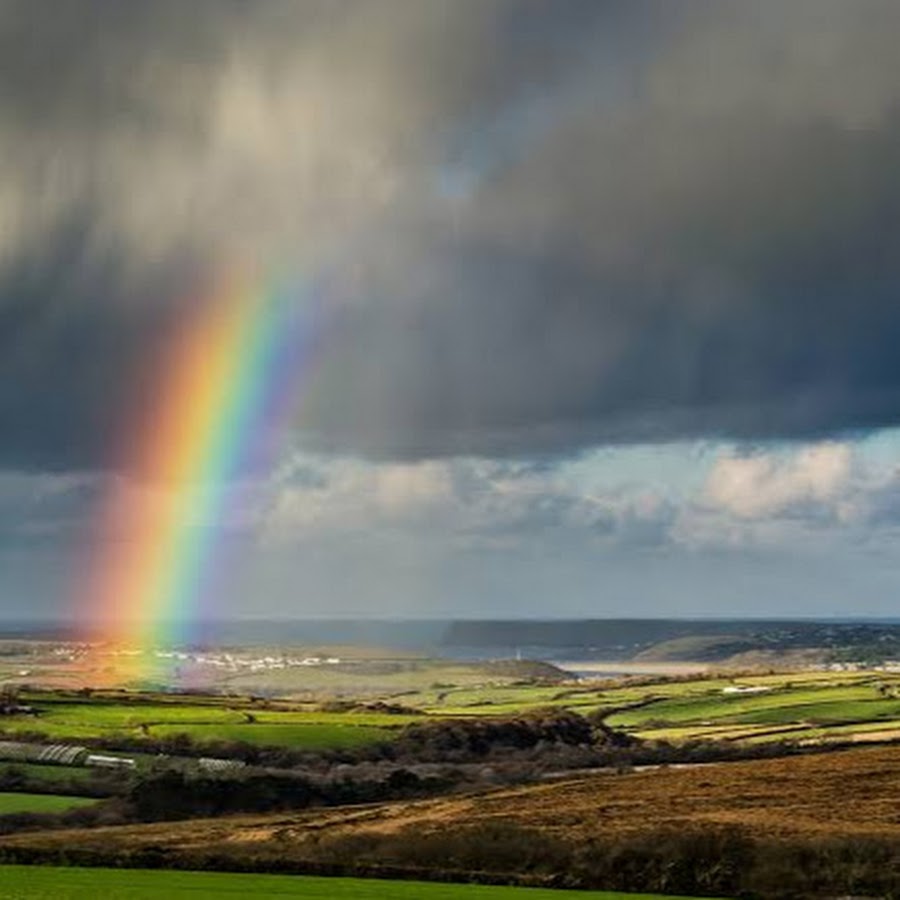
<point>226,385</point>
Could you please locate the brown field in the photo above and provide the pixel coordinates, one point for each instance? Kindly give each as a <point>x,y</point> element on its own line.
<point>853,793</point>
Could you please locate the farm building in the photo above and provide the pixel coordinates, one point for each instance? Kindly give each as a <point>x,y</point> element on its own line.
<point>54,754</point>
<point>97,761</point>
<point>16,709</point>
<point>210,764</point>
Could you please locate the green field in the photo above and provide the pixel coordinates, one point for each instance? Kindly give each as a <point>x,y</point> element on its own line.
<point>790,706</point>
<point>797,705</point>
<point>583,697</point>
<point>212,721</point>
<point>774,707</point>
<point>52,883</point>
<point>684,709</point>
<point>40,803</point>
<point>50,775</point>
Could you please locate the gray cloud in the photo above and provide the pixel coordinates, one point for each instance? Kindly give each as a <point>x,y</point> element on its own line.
<point>554,225</point>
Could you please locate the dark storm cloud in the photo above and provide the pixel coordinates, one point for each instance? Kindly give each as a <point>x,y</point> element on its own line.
<point>77,344</point>
<point>556,224</point>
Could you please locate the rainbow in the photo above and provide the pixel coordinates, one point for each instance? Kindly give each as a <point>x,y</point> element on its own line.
<point>226,384</point>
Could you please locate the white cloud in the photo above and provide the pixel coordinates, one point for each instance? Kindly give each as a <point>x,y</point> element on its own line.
<point>767,485</point>
<point>348,495</point>
<point>460,502</point>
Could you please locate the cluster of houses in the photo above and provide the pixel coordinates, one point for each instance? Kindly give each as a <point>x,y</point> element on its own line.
<point>231,661</point>
<point>237,663</point>
<point>889,665</point>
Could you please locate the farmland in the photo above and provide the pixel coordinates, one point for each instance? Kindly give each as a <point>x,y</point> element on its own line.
<point>295,704</point>
<point>48,774</point>
<point>202,719</point>
<point>814,706</point>
<point>751,707</point>
<point>31,883</point>
<point>514,810</point>
<point>771,709</point>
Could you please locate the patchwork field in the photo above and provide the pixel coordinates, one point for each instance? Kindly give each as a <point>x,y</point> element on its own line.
<point>813,706</point>
<point>848,708</point>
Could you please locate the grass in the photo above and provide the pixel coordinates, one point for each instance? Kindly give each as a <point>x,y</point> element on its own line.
<point>862,727</point>
<point>54,883</point>
<point>855,731</point>
<point>50,775</point>
<point>771,708</point>
<point>794,706</point>
<point>824,712</point>
<point>40,803</point>
<point>212,721</point>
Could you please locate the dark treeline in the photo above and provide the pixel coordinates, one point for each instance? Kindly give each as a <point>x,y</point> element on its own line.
<point>171,794</point>
<point>437,740</point>
<point>700,862</point>
<point>694,862</point>
<point>180,795</point>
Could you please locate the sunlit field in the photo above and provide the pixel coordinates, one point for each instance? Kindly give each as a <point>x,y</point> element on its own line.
<point>205,719</point>
<point>799,705</point>
<point>51,883</point>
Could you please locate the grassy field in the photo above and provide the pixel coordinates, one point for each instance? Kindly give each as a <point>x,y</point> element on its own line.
<point>206,720</point>
<point>50,775</point>
<point>40,803</point>
<point>585,696</point>
<point>818,705</point>
<point>787,707</point>
<point>53,883</point>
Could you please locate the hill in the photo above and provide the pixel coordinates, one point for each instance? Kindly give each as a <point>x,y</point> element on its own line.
<point>815,825</point>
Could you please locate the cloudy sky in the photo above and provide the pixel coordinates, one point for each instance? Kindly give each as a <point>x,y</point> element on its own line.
<point>613,318</point>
